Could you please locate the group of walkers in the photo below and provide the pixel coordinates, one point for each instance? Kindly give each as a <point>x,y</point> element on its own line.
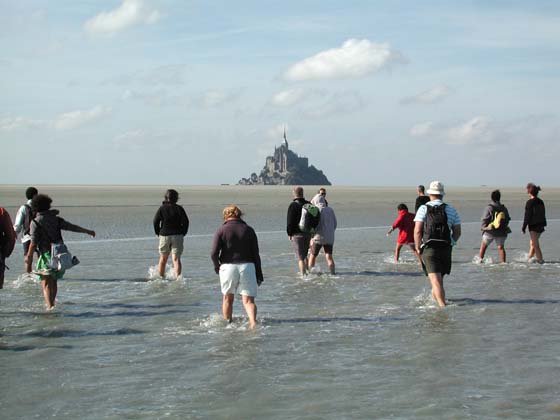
<point>41,229</point>
<point>436,226</point>
<point>430,232</point>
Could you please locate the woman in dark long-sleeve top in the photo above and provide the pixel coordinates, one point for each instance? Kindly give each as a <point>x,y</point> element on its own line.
<point>235,255</point>
<point>171,224</point>
<point>535,220</point>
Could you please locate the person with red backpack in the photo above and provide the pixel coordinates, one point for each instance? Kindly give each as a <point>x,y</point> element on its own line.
<point>437,228</point>
<point>7,241</point>
<point>24,216</point>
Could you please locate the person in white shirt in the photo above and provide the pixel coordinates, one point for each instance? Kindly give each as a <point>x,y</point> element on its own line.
<point>24,216</point>
<point>437,228</point>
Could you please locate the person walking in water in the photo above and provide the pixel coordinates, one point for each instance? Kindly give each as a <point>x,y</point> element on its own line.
<point>22,222</point>
<point>437,228</point>
<point>405,223</point>
<point>235,255</point>
<point>7,241</point>
<point>300,240</point>
<point>171,224</point>
<point>324,235</point>
<point>494,226</point>
<point>321,193</point>
<point>421,199</point>
<point>535,220</point>
<point>46,230</point>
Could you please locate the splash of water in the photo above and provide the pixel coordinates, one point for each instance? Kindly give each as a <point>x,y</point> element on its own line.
<point>25,279</point>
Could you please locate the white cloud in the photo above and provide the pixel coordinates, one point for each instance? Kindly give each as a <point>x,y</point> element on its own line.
<point>289,97</point>
<point>75,119</point>
<point>354,59</point>
<point>478,129</point>
<point>430,96</point>
<point>129,13</point>
<point>10,124</point>
<point>421,129</point>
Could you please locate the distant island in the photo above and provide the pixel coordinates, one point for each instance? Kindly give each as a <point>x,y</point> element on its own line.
<point>286,168</point>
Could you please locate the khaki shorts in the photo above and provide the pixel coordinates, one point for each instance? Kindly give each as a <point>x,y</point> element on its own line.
<point>171,244</point>
<point>487,238</point>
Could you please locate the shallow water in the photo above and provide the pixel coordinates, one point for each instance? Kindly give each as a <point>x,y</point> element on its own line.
<point>367,342</point>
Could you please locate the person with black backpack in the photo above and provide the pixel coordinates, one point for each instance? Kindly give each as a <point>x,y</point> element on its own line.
<point>494,226</point>
<point>436,229</point>
<point>24,216</point>
<point>302,220</point>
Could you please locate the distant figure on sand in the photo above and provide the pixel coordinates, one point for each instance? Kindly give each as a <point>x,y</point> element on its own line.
<point>535,219</point>
<point>7,241</point>
<point>437,228</point>
<point>494,226</point>
<point>45,231</point>
<point>171,224</point>
<point>300,240</point>
<point>324,235</point>
<point>421,199</point>
<point>22,222</point>
<point>235,254</point>
<point>405,223</point>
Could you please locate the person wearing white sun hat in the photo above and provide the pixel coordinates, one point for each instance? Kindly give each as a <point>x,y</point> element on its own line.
<point>437,228</point>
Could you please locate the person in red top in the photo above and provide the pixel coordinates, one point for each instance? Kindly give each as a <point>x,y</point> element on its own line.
<point>405,223</point>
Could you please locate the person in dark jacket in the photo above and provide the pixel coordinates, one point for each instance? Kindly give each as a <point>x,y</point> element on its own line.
<point>45,230</point>
<point>7,241</point>
<point>422,197</point>
<point>235,255</point>
<point>171,224</point>
<point>494,230</point>
<point>535,219</point>
<point>300,240</point>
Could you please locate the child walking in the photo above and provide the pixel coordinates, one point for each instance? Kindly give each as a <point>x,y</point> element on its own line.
<point>405,223</point>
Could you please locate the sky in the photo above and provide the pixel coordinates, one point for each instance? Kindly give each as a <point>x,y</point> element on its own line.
<point>199,92</point>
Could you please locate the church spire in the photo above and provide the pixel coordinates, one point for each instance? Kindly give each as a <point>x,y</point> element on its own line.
<point>285,139</point>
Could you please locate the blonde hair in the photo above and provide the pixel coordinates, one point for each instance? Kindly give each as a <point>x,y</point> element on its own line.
<point>232,211</point>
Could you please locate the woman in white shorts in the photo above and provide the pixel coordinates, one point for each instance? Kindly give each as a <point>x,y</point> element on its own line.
<point>235,255</point>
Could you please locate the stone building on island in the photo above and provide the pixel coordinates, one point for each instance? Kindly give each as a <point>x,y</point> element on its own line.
<point>285,167</point>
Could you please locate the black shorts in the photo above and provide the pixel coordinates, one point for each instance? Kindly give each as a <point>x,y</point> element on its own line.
<point>536,228</point>
<point>315,248</point>
<point>437,260</point>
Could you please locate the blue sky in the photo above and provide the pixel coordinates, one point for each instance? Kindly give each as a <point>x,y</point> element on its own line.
<point>198,92</point>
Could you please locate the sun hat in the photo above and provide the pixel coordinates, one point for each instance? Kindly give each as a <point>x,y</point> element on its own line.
<point>436,188</point>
